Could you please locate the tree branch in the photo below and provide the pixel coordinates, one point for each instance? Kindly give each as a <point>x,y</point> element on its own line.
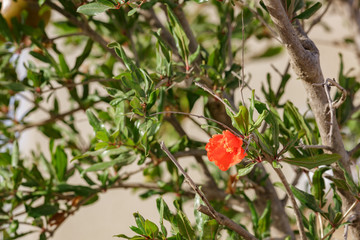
<point>208,209</point>
<point>153,20</point>
<point>306,63</point>
<point>85,27</point>
<point>293,202</point>
<point>354,150</point>
<point>193,45</point>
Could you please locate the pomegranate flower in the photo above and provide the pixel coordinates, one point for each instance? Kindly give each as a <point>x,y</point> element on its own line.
<point>225,150</point>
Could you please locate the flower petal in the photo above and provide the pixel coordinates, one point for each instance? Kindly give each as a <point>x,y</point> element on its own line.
<point>225,150</point>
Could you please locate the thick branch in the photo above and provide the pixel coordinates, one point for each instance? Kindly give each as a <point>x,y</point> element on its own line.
<point>305,61</point>
<point>302,51</point>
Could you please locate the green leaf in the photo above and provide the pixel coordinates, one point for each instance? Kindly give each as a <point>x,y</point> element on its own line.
<point>15,155</point>
<point>241,120</point>
<point>309,12</point>
<point>163,209</point>
<point>15,86</point>
<point>140,222</point>
<point>245,170</point>
<point>93,8</point>
<point>181,40</point>
<point>43,210</point>
<point>109,3</point>
<point>273,120</point>
<point>40,57</point>
<point>306,199</point>
<point>270,52</point>
<point>314,161</point>
<point>254,214</point>
<point>59,161</point>
<point>201,1</point>
<point>265,221</point>
<point>206,227</point>
<point>151,229</point>
<point>259,121</point>
<point>318,185</point>
<point>195,55</point>
<point>102,135</point>
<point>94,121</point>
<point>63,65</point>
<point>120,161</point>
<point>184,226</point>
<point>132,12</point>
<point>5,159</point>
<point>4,29</point>
<point>41,2</point>
<point>77,189</point>
<point>354,189</point>
<point>210,230</point>
<point>84,55</point>
<point>264,143</point>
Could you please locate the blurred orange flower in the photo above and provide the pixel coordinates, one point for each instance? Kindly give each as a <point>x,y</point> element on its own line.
<point>225,150</point>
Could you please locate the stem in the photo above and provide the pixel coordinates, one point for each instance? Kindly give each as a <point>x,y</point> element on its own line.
<point>85,27</point>
<point>298,217</point>
<point>341,220</point>
<point>208,209</point>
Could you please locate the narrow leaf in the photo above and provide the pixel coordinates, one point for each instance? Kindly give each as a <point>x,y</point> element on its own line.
<point>309,12</point>
<point>246,170</point>
<point>306,199</point>
<point>314,161</point>
<point>93,8</point>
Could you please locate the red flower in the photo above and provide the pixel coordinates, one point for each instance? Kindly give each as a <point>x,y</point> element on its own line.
<point>225,150</point>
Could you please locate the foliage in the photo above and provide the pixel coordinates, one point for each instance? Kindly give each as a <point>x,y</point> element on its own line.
<point>136,79</point>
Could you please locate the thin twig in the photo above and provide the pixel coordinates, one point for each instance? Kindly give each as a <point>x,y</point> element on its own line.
<point>343,91</point>
<point>208,209</point>
<point>205,88</point>
<point>303,146</point>
<point>261,19</point>
<point>354,150</point>
<point>320,225</point>
<point>199,116</point>
<point>242,58</point>
<point>245,83</point>
<point>328,83</point>
<point>188,179</point>
<point>74,84</point>
<point>20,128</point>
<point>299,172</point>
<point>66,35</point>
<point>229,42</point>
<point>33,102</point>
<point>333,229</point>
<point>318,19</point>
<point>298,217</point>
<point>190,152</point>
<point>85,27</point>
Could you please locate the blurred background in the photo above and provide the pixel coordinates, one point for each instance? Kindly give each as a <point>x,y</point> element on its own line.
<point>113,213</point>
